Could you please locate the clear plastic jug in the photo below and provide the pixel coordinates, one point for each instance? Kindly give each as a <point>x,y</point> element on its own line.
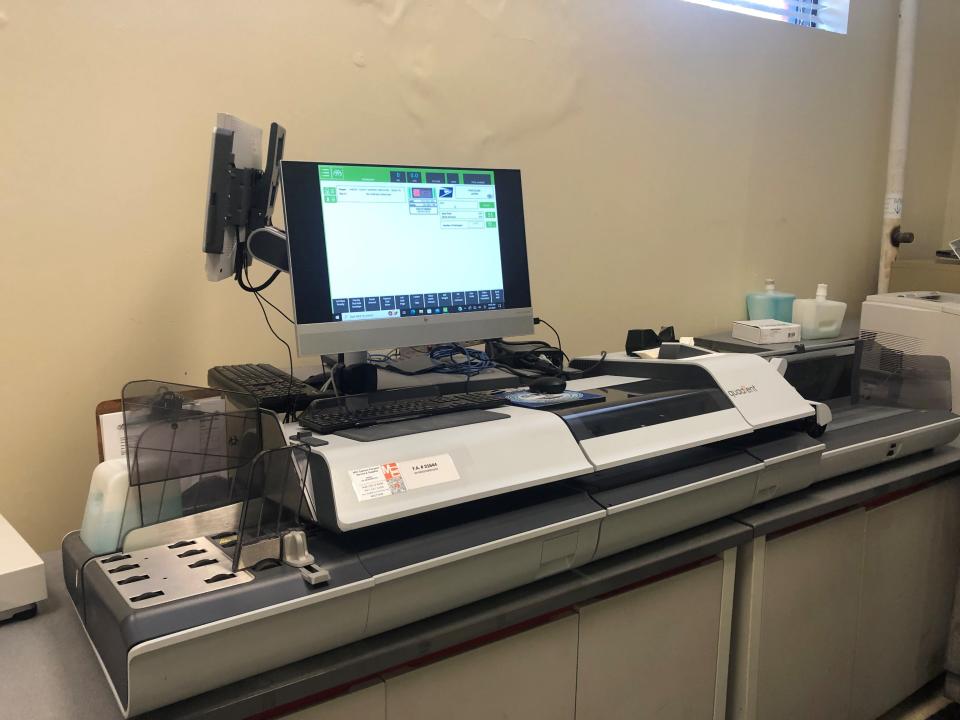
<point>818,317</point>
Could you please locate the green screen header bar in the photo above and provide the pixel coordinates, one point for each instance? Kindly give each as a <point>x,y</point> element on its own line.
<point>419,176</point>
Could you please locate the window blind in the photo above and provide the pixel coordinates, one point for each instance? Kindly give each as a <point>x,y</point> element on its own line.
<point>830,15</point>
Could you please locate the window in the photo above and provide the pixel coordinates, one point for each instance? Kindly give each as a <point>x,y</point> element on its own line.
<point>830,15</point>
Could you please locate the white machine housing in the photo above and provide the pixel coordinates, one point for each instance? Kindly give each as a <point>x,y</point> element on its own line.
<point>532,448</point>
<point>22,580</point>
<point>918,323</point>
<point>533,494</point>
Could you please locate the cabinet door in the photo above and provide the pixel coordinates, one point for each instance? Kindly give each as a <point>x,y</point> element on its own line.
<point>528,676</point>
<point>910,566</point>
<point>652,652</point>
<point>811,585</point>
<point>368,703</point>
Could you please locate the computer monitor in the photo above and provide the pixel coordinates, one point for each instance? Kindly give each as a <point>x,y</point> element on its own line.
<point>388,256</point>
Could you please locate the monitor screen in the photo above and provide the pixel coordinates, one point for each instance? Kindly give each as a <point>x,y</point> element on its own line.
<point>385,255</point>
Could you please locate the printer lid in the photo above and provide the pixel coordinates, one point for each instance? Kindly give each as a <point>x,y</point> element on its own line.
<point>675,405</point>
<point>931,300</point>
<point>752,385</point>
<point>647,417</point>
<point>642,403</point>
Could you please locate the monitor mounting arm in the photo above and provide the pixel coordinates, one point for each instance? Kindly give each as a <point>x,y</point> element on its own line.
<point>269,245</point>
<point>251,197</point>
<point>265,242</point>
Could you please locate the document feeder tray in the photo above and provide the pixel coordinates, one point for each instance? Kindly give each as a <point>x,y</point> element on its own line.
<point>187,447</point>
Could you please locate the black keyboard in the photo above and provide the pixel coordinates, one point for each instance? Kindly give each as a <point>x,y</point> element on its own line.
<point>328,416</point>
<point>271,386</point>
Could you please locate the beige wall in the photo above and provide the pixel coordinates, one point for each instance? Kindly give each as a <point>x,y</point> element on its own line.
<point>673,156</point>
<point>929,211</point>
<point>951,219</point>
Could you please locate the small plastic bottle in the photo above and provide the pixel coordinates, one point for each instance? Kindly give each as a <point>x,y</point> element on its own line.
<point>818,317</point>
<point>103,516</point>
<point>114,508</point>
<point>770,304</point>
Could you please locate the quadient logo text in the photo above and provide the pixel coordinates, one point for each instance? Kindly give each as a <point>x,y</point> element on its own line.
<point>742,390</point>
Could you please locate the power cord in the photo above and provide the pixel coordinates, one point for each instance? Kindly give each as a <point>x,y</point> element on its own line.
<point>598,363</point>
<point>281,312</point>
<point>538,321</point>
<point>333,382</point>
<point>290,412</point>
<point>537,356</point>
<point>240,266</point>
<point>262,286</point>
<point>523,375</point>
<point>448,358</point>
<point>475,362</point>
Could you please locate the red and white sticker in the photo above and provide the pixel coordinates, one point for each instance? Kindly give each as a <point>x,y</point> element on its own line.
<point>399,477</point>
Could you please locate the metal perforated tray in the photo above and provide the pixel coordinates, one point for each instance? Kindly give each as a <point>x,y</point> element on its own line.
<point>179,570</point>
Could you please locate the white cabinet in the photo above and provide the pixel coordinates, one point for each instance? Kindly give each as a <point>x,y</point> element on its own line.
<point>841,618</point>
<point>810,591</point>
<point>848,616</point>
<point>653,652</point>
<point>910,566</point>
<point>367,703</point>
<point>528,676</point>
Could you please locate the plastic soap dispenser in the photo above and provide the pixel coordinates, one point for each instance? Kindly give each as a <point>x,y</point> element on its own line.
<point>770,304</point>
<point>819,317</point>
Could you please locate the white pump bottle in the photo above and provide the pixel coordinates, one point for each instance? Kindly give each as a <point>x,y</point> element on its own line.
<point>818,317</point>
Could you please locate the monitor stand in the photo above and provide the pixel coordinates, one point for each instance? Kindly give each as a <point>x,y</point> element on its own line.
<point>409,367</point>
<point>357,376</point>
<point>355,358</point>
<point>383,379</point>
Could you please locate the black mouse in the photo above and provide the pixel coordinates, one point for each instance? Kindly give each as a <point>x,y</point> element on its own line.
<point>548,385</point>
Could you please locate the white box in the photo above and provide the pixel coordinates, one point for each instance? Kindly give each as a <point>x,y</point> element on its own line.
<point>22,579</point>
<point>766,332</point>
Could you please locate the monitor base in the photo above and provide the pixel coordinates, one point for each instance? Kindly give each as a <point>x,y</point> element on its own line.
<point>354,375</point>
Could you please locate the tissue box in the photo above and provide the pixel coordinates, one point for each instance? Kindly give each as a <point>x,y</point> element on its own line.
<point>766,332</point>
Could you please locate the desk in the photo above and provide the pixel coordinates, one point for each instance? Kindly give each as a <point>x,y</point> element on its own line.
<point>531,642</point>
<point>726,342</point>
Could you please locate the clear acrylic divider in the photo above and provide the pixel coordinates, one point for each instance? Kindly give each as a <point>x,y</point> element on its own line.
<point>187,447</point>
<point>275,502</point>
<point>896,371</point>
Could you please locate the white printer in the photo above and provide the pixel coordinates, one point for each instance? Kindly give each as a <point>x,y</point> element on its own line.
<point>923,326</point>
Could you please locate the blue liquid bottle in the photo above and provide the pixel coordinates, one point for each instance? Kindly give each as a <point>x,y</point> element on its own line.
<point>770,304</point>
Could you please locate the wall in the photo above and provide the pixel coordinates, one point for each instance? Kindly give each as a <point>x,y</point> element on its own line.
<point>951,219</point>
<point>931,199</point>
<point>673,157</point>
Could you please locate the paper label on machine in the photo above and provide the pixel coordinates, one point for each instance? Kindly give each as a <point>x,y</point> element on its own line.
<point>398,477</point>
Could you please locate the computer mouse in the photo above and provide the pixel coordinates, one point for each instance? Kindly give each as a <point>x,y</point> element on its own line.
<point>548,385</point>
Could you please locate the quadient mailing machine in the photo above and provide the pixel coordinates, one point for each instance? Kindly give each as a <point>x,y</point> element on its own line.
<point>226,544</point>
